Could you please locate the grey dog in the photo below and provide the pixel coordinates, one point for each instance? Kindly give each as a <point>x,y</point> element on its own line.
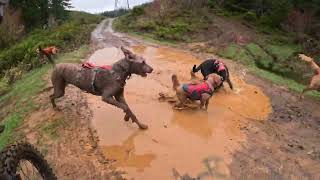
<point>106,83</point>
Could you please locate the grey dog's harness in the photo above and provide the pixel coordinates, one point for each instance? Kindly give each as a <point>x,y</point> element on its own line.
<point>94,75</point>
<point>93,79</point>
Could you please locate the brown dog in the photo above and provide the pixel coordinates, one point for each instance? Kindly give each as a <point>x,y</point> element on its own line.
<point>315,80</point>
<point>47,52</point>
<point>101,82</point>
<point>202,91</point>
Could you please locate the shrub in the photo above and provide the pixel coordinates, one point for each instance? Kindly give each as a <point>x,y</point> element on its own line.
<point>146,25</point>
<point>250,16</point>
<point>137,11</point>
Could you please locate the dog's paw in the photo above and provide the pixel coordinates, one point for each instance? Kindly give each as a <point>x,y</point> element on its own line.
<point>126,117</point>
<point>143,126</point>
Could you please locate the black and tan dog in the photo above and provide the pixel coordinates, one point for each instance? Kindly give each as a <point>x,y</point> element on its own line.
<point>211,66</point>
<point>202,91</point>
<point>101,82</point>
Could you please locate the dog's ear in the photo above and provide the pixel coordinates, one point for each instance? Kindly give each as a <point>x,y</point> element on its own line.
<point>128,54</point>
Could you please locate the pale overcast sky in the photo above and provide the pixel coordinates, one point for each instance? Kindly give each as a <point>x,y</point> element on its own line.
<point>97,6</point>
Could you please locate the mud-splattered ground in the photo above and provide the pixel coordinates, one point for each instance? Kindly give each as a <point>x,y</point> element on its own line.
<point>287,145</point>
<point>176,139</point>
<point>257,131</point>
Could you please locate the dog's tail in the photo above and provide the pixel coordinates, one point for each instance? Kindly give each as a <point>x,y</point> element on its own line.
<point>175,82</point>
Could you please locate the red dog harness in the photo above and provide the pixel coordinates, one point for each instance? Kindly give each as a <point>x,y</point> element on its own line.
<point>92,66</point>
<point>95,69</point>
<point>195,90</point>
<point>221,66</point>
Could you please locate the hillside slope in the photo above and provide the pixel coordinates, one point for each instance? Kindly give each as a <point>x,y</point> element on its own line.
<point>271,53</point>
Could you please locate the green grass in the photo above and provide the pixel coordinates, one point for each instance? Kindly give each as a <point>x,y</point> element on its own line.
<point>237,53</point>
<point>51,128</point>
<point>68,36</point>
<point>21,57</point>
<point>21,99</point>
<point>252,53</point>
<point>74,56</point>
<point>261,58</point>
<point>175,27</point>
<point>22,96</point>
<point>280,80</point>
<point>283,52</point>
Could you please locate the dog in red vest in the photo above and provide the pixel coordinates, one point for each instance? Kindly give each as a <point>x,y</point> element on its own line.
<point>47,52</point>
<point>202,91</point>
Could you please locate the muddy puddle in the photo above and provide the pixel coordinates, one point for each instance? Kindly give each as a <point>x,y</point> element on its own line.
<point>177,142</point>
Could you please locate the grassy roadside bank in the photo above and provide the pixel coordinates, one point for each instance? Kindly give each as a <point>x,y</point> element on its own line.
<point>22,57</point>
<point>20,98</point>
<point>271,55</point>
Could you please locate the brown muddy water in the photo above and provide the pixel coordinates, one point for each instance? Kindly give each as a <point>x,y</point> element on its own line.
<point>176,141</point>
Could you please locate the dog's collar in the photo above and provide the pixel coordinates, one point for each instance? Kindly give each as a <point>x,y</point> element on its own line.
<point>126,71</point>
<point>117,77</point>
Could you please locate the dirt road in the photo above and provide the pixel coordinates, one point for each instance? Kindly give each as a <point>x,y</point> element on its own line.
<point>257,131</point>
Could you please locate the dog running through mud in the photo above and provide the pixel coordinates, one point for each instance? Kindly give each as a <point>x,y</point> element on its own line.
<point>101,82</point>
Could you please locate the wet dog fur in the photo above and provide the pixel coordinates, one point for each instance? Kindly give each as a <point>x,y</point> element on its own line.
<point>208,67</point>
<point>213,79</point>
<point>109,84</point>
